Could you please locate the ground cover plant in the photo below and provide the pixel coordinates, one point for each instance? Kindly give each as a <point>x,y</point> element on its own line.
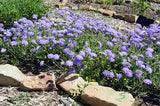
<point>90,47</point>
<point>12,10</point>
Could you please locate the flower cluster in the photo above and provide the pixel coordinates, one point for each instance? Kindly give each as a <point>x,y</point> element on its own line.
<point>84,44</point>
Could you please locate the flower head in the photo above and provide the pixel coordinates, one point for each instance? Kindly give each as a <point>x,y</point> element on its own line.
<point>147,81</point>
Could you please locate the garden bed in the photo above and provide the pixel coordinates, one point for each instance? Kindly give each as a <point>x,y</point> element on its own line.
<point>123,8</point>
<point>86,44</point>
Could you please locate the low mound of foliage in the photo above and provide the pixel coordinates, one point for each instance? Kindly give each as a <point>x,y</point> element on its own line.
<point>90,47</point>
<point>11,10</point>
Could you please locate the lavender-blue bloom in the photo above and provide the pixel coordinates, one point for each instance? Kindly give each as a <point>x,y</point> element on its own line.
<point>122,54</point>
<point>24,42</point>
<point>56,56</point>
<point>82,53</point>
<point>43,41</point>
<point>41,63</point>
<point>13,43</point>
<point>69,63</point>
<point>109,44</point>
<point>30,33</point>
<point>72,70</point>
<point>149,69</point>
<point>127,72</point>
<point>106,73</point>
<point>35,16</point>
<point>99,44</point>
<point>149,52</point>
<point>119,76</point>
<point>138,74</point>
<point>3,50</point>
<point>147,81</point>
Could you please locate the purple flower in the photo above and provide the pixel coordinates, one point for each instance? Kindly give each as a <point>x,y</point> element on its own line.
<point>82,53</point>
<point>41,63</point>
<point>99,44</point>
<point>88,50</point>
<point>138,74</point>
<point>149,52</point>
<point>72,70</point>
<point>111,74</point>
<point>56,56</point>
<point>69,63</point>
<point>3,50</point>
<point>86,44</point>
<point>35,16</point>
<point>149,69</point>
<point>54,32</point>
<point>50,56</point>
<point>93,54</point>
<point>147,81</point>
<point>44,42</point>
<point>124,48</point>
<point>140,64</point>
<point>30,33</point>
<point>66,50</point>
<point>122,54</point>
<point>62,63</point>
<point>125,63</point>
<point>119,76</point>
<point>24,42</point>
<point>79,57</point>
<point>106,73</point>
<point>76,61</point>
<point>33,41</point>
<point>109,44</point>
<point>13,43</point>
<point>127,72</point>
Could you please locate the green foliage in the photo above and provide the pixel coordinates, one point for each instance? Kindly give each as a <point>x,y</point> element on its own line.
<point>119,2</point>
<point>140,6</point>
<point>106,1</point>
<point>11,10</point>
<point>21,98</point>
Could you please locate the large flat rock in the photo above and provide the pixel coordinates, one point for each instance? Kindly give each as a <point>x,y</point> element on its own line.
<point>97,95</point>
<point>10,75</point>
<point>70,82</point>
<point>42,82</point>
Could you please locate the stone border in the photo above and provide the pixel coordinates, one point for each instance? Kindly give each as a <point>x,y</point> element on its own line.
<point>131,18</point>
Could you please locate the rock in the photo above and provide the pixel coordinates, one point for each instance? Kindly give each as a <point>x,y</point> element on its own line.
<point>57,19</point>
<point>158,12</point>
<point>107,12</point>
<point>85,7</point>
<point>96,95</point>
<point>118,16</point>
<point>128,1</point>
<point>63,2</point>
<point>70,83</point>
<point>10,75</point>
<point>157,22</point>
<point>144,21</point>
<point>42,82</point>
<point>65,102</point>
<point>130,18</point>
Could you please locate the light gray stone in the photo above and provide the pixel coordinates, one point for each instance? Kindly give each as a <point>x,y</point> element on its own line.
<point>10,75</point>
<point>130,18</point>
<point>71,83</point>
<point>96,95</point>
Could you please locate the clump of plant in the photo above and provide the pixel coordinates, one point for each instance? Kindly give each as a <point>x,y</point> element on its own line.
<point>141,6</point>
<point>118,2</point>
<point>11,10</point>
<point>90,47</point>
<point>105,1</point>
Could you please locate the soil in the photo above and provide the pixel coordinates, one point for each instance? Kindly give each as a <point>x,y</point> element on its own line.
<point>123,8</point>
